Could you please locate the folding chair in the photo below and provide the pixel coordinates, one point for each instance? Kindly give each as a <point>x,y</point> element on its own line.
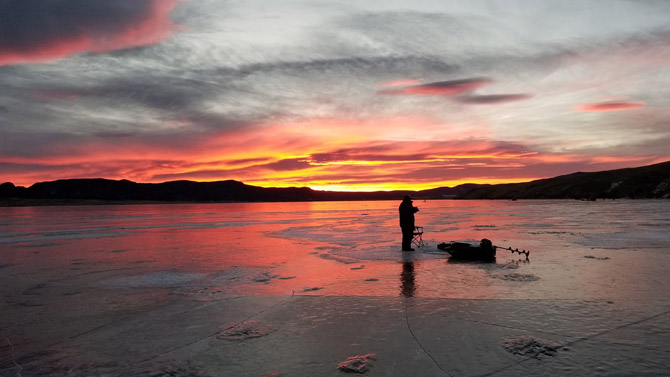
<point>417,236</point>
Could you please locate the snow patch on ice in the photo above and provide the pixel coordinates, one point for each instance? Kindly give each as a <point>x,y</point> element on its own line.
<point>530,346</point>
<point>357,364</point>
<point>245,330</point>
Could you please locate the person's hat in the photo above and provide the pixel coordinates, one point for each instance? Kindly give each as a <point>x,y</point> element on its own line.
<point>408,198</point>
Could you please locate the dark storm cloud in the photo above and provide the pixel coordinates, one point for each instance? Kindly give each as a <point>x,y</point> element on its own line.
<point>39,30</point>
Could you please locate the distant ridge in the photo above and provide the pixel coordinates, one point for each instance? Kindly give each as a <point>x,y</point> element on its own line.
<point>651,181</point>
<point>99,189</point>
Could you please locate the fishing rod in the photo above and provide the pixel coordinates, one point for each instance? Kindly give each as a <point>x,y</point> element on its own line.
<point>525,252</point>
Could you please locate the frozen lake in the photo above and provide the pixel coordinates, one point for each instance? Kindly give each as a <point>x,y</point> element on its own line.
<point>156,289</point>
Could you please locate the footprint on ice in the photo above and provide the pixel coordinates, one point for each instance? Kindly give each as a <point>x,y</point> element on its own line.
<point>357,364</point>
<point>530,346</point>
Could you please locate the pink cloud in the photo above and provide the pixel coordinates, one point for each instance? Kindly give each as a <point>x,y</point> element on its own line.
<point>610,106</point>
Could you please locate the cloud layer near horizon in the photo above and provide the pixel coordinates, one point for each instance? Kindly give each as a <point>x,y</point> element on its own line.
<point>331,95</point>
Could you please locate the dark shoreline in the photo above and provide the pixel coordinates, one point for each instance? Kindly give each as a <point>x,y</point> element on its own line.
<point>10,203</point>
<point>76,202</point>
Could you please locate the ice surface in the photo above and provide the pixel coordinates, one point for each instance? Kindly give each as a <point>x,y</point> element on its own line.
<point>297,288</point>
<point>162,279</point>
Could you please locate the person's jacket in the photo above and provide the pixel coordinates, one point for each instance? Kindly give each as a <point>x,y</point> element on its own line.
<point>407,211</point>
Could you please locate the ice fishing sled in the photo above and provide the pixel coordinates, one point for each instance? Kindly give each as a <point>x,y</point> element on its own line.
<point>484,251</point>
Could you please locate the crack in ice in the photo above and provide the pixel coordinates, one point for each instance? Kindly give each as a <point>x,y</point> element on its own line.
<point>19,368</point>
<point>409,327</point>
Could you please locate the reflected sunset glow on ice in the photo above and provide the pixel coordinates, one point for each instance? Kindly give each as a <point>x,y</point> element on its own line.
<point>214,251</point>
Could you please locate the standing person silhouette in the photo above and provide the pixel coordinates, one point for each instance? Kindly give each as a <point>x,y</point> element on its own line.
<point>407,211</point>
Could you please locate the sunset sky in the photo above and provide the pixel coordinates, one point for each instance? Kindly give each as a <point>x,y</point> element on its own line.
<point>339,95</point>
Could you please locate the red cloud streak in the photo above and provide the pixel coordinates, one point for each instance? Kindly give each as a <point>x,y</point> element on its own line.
<point>610,106</point>
<point>153,26</point>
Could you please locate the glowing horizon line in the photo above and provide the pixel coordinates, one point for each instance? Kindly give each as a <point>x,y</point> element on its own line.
<point>372,187</point>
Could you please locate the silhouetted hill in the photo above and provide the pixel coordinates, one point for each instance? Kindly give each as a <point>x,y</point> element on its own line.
<point>189,191</point>
<point>651,181</point>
